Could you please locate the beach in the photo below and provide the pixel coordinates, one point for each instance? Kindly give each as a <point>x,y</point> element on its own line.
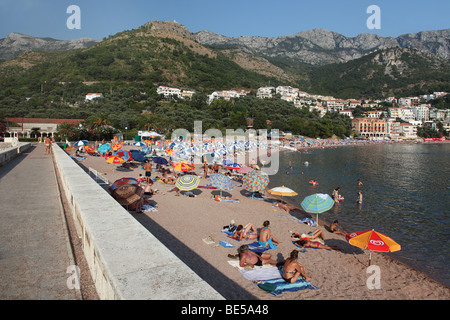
<point>181,223</point>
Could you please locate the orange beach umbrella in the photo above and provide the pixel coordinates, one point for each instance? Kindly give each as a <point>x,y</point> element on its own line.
<point>372,240</point>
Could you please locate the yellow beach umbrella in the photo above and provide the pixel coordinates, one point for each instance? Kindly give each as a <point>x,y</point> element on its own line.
<point>283,191</point>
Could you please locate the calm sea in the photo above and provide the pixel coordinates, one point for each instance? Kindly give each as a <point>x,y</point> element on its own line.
<point>405,190</point>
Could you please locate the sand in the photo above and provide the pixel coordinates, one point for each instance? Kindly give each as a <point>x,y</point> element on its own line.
<point>182,222</point>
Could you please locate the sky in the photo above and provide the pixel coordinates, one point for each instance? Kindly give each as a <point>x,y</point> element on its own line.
<point>232,18</point>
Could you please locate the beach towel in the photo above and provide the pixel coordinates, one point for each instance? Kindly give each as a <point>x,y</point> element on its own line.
<point>226,244</point>
<point>256,247</point>
<point>261,274</point>
<point>228,200</point>
<point>271,245</point>
<point>206,187</point>
<point>235,264</point>
<point>278,286</point>
<point>149,208</point>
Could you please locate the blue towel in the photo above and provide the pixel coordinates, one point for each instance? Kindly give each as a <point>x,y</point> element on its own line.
<point>226,244</point>
<point>278,286</point>
<point>229,200</point>
<point>256,247</point>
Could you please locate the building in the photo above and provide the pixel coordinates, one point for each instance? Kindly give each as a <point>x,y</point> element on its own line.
<point>168,91</point>
<point>408,131</point>
<point>422,112</point>
<point>347,113</point>
<point>32,127</point>
<point>227,95</point>
<point>265,92</point>
<point>370,128</point>
<point>92,96</point>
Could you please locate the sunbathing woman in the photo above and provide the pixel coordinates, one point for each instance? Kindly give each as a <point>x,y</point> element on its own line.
<point>247,232</point>
<point>292,270</point>
<point>315,244</point>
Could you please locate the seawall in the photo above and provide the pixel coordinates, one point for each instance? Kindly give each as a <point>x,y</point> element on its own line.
<point>125,260</point>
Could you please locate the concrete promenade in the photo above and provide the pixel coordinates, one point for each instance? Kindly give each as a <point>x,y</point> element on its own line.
<point>35,251</point>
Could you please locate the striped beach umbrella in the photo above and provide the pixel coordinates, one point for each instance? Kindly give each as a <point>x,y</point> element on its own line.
<point>283,191</point>
<point>122,181</point>
<point>187,182</point>
<point>317,203</point>
<point>372,240</point>
<point>80,143</point>
<point>116,146</point>
<point>255,181</point>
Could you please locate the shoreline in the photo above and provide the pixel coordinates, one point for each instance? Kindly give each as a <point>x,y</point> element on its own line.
<point>203,217</point>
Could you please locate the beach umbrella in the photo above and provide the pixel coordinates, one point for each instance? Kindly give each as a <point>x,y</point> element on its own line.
<point>80,143</point>
<point>69,148</point>
<point>125,155</point>
<point>187,182</point>
<point>234,166</point>
<point>122,181</point>
<point>139,144</point>
<point>104,148</point>
<point>160,160</point>
<point>138,155</point>
<point>317,203</point>
<point>116,146</point>
<point>115,160</point>
<point>372,240</point>
<point>255,181</point>
<point>221,182</point>
<point>89,149</point>
<point>283,192</point>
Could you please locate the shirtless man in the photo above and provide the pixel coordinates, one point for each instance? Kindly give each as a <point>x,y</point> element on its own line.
<point>148,170</point>
<point>292,270</point>
<point>265,236</point>
<point>252,259</point>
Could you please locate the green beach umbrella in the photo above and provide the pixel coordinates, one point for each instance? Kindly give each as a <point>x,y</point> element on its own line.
<point>317,203</point>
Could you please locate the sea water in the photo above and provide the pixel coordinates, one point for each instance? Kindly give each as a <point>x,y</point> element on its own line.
<point>405,195</point>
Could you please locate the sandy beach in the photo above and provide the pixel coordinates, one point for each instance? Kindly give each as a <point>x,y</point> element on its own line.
<point>182,222</point>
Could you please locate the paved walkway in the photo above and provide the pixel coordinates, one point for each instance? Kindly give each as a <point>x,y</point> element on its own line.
<point>35,253</point>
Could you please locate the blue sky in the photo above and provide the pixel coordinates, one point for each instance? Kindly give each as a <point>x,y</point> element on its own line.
<point>101,18</point>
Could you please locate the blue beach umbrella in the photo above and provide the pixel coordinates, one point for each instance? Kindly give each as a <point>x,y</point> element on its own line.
<point>160,160</point>
<point>104,148</point>
<point>80,143</point>
<point>317,203</point>
<point>221,182</point>
<point>139,144</point>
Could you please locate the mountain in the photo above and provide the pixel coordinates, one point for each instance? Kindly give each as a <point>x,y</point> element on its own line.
<point>387,72</point>
<point>16,43</point>
<point>167,53</point>
<point>320,47</point>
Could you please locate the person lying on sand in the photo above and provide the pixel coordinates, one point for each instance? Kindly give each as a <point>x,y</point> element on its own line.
<point>315,244</point>
<point>282,206</point>
<point>247,232</point>
<point>292,270</point>
<point>252,259</point>
<point>313,235</point>
<point>219,198</point>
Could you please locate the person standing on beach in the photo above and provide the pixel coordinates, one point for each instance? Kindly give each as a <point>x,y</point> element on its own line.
<point>148,170</point>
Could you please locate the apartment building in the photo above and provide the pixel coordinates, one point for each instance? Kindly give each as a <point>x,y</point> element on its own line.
<point>370,128</point>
